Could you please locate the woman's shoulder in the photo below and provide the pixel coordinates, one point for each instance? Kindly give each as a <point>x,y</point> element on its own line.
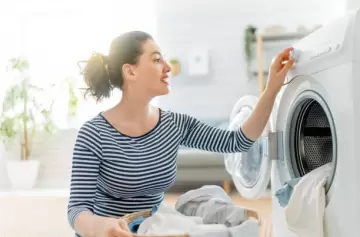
<point>93,125</point>
<point>172,114</point>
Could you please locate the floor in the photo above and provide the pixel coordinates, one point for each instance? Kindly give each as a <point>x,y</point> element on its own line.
<point>262,206</point>
<point>43,214</point>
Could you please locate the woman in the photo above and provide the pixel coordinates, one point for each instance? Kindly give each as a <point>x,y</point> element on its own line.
<point>125,158</point>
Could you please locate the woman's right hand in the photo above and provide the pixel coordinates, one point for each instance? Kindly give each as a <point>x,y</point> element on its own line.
<point>280,66</point>
<point>112,227</point>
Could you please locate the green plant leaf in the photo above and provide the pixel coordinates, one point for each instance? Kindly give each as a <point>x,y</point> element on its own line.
<point>24,106</point>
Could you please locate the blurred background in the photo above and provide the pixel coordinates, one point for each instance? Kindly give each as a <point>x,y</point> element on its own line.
<point>220,50</point>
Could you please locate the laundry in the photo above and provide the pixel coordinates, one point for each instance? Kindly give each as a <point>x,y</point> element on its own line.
<point>212,204</point>
<point>135,224</point>
<point>306,207</point>
<point>283,194</point>
<point>167,221</point>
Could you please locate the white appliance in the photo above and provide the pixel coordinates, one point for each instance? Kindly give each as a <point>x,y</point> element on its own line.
<point>316,120</point>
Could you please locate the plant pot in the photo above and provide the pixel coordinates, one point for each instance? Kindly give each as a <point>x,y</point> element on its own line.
<point>23,173</point>
<point>175,69</point>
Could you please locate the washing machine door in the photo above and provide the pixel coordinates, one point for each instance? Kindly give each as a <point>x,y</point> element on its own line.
<point>250,170</point>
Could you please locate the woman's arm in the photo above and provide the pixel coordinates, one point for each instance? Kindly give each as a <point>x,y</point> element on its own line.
<point>255,124</point>
<point>85,169</point>
<point>197,134</point>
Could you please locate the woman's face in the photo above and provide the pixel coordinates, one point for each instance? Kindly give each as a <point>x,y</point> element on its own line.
<point>150,75</point>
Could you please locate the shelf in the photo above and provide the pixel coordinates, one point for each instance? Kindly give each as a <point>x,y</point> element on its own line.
<point>286,36</point>
<point>256,74</point>
<point>279,37</point>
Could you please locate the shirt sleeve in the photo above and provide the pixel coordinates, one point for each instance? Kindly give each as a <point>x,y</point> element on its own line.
<point>86,158</point>
<point>197,134</point>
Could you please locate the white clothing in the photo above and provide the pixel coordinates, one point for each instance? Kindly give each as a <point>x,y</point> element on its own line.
<point>168,221</point>
<point>204,212</point>
<point>305,210</point>
<point>211,203</point>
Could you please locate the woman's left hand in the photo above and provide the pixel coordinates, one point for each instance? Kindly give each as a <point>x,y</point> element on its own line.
<point>253,214</point>
<point>278,70</point>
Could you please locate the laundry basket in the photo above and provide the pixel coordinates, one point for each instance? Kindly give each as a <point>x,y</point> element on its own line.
<point>131,217</point>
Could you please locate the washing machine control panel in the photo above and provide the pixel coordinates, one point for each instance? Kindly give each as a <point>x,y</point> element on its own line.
<point>305,56</point>
<point>330,45</point>
<point>308,54</point>
<point>324,51</point>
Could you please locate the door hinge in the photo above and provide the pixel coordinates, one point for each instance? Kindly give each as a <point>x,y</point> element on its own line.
<point>275,145</point>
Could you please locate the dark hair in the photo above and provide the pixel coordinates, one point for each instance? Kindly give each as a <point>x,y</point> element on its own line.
<point>104,73</point>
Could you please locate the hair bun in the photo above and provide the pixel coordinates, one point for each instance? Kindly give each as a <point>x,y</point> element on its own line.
<point>105,58</point>
<point>95,58</point>
<point>101,57</point>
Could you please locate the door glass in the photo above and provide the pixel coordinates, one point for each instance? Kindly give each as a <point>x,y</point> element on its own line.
<point>246,166</point>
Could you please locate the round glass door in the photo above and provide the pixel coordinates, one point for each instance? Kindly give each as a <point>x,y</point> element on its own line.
<point>250,170</point>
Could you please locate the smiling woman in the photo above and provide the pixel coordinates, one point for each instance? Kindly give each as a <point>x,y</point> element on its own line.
<point>127,52</point>
<point>128,153</point>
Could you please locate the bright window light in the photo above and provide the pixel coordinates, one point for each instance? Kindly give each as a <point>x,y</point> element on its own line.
<point>54,35</point>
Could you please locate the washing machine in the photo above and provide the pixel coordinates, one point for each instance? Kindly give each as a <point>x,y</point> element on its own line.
<point>313,123</point>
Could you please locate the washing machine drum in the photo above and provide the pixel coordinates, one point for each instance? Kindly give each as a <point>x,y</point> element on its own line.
<point>311,139</point>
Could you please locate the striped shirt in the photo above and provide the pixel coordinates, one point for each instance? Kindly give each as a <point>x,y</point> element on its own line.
<point>114,174</point>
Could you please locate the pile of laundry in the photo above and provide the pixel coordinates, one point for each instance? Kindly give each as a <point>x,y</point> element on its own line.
<point>304,201</point>
<point>207,211</point>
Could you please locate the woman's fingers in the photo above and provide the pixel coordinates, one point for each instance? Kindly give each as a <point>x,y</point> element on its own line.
<point>287,67</point>
<point>124,225</point>
<point>281,57</point>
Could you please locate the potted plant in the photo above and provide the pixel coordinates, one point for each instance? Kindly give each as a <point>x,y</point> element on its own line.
<point>23,115</point>
<point>175,67</point>
<point>73,102</point>
<point>249,39</point>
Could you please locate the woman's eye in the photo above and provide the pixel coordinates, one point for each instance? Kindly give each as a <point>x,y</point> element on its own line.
<point>158,60</point>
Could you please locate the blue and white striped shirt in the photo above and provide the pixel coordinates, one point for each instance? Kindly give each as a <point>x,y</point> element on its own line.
<point>114,174</point>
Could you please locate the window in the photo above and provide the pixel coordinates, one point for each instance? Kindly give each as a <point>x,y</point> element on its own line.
<point>55,36</point>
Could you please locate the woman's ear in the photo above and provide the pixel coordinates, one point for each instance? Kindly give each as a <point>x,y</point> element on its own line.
<point>128,71</point>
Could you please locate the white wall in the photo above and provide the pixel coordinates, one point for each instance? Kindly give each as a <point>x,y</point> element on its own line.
<point>219,25</point>
<point>352,4</point>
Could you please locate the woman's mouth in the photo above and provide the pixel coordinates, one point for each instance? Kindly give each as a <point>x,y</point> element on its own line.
<point>164,80</point>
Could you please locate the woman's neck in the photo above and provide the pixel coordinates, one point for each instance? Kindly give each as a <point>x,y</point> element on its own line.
<point>132,108</point>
